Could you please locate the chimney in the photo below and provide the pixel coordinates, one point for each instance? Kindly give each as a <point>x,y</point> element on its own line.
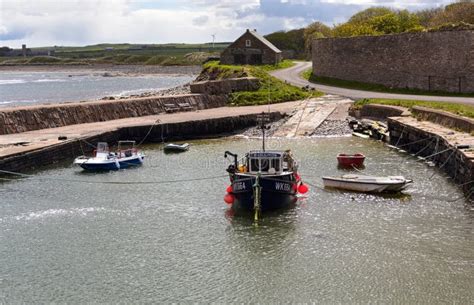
<point>254,30</point>
<point>248,30</point>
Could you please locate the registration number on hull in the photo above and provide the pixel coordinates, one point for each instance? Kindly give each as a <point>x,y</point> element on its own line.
<point>279,186</point>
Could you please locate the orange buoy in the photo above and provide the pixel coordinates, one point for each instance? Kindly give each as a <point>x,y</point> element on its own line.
<point>303,189</point>
<point>229,198</point>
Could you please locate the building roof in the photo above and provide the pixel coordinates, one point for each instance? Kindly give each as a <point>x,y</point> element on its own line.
<point>264,41</point>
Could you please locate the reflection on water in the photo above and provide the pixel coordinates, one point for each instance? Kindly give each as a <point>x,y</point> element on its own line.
<point>67,241</point>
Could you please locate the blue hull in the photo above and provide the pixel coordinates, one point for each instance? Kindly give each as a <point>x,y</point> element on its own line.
<point>278,192</point>
<point>112,165</point>
<point>100,167</point>
<point>130,163</point>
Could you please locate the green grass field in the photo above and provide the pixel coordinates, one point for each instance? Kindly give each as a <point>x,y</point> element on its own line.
<point>272,90</point>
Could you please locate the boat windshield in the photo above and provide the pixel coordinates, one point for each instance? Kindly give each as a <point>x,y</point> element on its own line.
<point>102,147</point>
<point>265,162</point>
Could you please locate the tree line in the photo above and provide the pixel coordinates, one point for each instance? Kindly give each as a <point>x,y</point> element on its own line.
<point>378,21</point>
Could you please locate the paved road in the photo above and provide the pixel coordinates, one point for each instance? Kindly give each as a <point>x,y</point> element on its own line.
<point>292,75</point>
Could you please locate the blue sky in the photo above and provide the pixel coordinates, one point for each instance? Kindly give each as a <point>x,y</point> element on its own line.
<point>82,22</point>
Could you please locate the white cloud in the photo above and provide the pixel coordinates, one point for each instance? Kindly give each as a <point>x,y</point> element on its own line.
<point>80,22</point>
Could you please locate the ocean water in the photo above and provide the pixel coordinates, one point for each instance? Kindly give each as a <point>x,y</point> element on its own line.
<point>67,238</point>
<point>27,88</point>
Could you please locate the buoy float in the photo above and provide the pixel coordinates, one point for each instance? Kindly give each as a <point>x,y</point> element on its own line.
<point>297,177</point>
<point>302,189</point>
<point>229,198</point>
<point>229,189</point>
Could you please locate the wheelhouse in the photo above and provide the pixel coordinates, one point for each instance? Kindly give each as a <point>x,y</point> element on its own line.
<point>269,162</point>
<point>265,162</point>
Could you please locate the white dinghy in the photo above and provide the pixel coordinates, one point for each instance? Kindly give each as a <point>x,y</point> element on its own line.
<point>367,184</point>
<point>176,147</point>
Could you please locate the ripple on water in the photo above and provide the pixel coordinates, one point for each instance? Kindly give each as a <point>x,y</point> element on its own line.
<point>80,242</point>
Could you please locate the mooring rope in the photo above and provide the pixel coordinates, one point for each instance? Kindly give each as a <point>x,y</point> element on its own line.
<point>34,177</point>
<point>149,131</point>
<point>406,144</point>
<point>445,162</point>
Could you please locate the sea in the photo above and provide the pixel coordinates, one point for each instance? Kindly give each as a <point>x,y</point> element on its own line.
<point>37,87</point>
<point>162,234</point>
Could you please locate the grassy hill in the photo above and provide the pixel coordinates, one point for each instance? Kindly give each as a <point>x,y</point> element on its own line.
<point>124,53</point>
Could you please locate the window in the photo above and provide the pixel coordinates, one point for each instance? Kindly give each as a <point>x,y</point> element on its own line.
<point>248,43</point>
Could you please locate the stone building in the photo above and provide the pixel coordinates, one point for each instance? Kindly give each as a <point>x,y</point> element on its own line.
<point>251,49</point>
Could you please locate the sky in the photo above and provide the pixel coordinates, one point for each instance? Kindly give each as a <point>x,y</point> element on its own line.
<point>84,22</point>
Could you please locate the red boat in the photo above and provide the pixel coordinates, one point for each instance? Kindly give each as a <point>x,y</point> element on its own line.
<point>350,160</point>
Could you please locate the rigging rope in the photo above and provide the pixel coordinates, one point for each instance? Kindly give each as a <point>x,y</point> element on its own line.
<point>106,182</point>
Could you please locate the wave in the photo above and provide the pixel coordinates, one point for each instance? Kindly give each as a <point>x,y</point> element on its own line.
<point>18,101</point>
<point>138,91</point>
<point>58,213</point>
<point>11,81</point>
<point>50,80</point>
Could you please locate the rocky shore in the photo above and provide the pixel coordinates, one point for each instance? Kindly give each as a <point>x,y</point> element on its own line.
<point>179,90</point>
<point>333,128</point>
<point>107,69</point>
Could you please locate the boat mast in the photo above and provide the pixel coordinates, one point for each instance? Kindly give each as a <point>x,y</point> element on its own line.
<point>262,119</point>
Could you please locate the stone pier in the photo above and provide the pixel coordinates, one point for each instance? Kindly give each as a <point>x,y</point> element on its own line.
<point>451,150</point>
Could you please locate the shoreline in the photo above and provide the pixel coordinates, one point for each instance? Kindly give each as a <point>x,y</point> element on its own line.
<point>125,69</point>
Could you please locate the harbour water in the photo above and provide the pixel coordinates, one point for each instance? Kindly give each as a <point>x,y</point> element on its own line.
<point>32,87</point>
<point>65,236</point>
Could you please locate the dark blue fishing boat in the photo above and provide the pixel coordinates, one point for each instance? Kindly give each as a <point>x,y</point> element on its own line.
<point>263,180</point>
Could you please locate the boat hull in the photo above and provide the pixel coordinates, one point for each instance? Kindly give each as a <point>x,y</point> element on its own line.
<point>176,148</point>
<point>350,160</point>
<point>93,164</point>
<point>366,187</point>
<point>131,161</point>
<point>100,166</point>
<point>277,192</point>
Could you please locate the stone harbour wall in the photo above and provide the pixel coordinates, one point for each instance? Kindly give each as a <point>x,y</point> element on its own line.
<point>444,118</point>
<point>455,162</point>
<point>431,61</point>
<point>21,119</point>
<point>226,86</point>
<point>70,149</point>
<point>378,111</point>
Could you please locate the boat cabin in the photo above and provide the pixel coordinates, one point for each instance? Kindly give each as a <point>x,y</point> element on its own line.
<point>269,162</point>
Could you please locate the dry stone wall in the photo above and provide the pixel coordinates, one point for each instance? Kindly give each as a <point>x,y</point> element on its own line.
<point>21,119</point>
<point>431,61</point>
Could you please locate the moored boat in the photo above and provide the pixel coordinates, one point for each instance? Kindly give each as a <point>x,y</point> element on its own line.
<point>368,184</point>
<point>349,160</point>
<point>126,156</point>
<point>176,147</point>
<point>263,180</point>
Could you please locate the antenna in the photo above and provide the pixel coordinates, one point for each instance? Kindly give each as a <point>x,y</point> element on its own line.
<point>262,119</point>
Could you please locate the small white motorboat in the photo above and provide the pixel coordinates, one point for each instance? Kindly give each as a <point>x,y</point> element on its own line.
<point>126,156</point>
<point>367,184</point>
<point>176,147</point>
